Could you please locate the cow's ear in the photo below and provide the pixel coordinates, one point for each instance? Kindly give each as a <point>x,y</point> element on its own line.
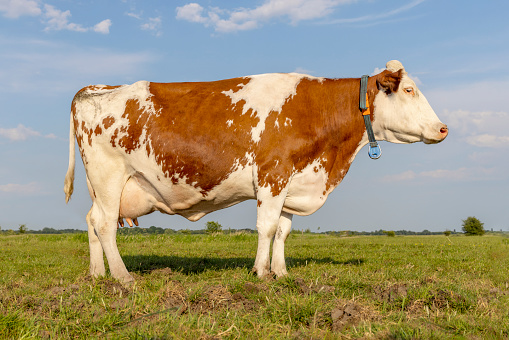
<point>389,82</point>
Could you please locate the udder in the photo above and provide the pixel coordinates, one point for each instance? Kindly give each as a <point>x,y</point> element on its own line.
<point>135,202</point>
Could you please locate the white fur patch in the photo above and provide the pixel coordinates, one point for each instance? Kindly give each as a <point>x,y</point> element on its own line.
<point>266,93</point>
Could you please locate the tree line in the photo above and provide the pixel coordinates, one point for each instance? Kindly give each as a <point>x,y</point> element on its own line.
<point>470,226</point>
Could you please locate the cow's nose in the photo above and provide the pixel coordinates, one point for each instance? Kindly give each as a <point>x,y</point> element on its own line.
<point>444,131</point>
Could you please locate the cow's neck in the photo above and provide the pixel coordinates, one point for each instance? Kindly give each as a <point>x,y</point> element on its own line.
<point>347,132</point>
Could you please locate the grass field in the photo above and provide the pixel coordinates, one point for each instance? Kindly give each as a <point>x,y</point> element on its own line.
<point>201,287</point>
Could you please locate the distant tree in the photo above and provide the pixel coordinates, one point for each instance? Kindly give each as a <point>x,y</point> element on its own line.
<point>390,233</point>
<point>213,227</point>
<point>22,228</point>
<point>155,230</point>
<point>472,226</point>
<point>49,231</point>
<point>447,233</point>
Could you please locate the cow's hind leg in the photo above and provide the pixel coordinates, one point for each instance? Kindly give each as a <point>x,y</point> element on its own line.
<point>278,265</point>
<point>104,225</point>
<point>96,251</point>
<point>105,188</point>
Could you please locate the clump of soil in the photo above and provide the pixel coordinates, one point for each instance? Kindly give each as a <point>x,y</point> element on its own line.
<point>443,299</point>
<point>213,298</point>
<point>114,288</point>
<point>349,313</point>
<point>162,272</point>
<point>437,301</point>
<point>390,294</point>
<point>175,297</point>
<point>251,288</point>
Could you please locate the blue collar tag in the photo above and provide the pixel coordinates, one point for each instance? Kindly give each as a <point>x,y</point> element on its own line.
<point>374,152</point>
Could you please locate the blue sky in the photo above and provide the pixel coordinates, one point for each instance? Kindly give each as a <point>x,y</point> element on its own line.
<point>457,51</point>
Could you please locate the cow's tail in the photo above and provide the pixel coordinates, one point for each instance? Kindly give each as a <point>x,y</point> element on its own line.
<point>69,177</point>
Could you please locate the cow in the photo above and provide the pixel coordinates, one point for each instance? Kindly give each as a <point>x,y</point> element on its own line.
<point>191,148</point>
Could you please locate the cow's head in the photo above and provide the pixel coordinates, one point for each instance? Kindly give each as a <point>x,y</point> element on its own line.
<point>401,112</point>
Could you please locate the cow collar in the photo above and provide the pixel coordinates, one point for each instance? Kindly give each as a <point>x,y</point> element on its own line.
<point>374,151</point>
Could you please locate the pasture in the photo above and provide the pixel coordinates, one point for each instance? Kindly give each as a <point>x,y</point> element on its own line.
<point>201,287</point>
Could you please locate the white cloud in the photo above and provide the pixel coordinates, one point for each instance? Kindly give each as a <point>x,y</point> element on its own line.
<point>302,70</point>
<point>489,141</point>
<point>21,189</point>
<point>133,15</point>
<point>154,25</point>
<point>54,18</point>
<point>19,133</point>
<point>191,12</point>
<point>103,27</point>
<point>479,128</point>
<point>16,8</point>
<point>57,20</point>
<point>245,19</point>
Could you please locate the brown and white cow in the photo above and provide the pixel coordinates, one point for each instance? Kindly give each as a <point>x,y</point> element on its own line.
<point>286,140</point>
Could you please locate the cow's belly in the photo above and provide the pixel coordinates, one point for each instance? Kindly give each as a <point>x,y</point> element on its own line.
<point>143,195</point>
<point>307,192</point>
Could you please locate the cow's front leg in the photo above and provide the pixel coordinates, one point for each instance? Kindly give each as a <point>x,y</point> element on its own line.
<point>268,214</point>
<point>278,265</point>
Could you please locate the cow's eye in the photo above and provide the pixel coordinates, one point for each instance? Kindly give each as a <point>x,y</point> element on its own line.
<point>410,90</point>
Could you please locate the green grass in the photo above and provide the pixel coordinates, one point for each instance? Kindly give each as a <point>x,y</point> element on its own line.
<point>201,287</point>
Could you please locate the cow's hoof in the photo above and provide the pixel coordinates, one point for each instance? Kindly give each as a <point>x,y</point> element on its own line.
<point>127,280</point>
<point>263,274</point>
<point>266,275</point>
<point>280,273</point>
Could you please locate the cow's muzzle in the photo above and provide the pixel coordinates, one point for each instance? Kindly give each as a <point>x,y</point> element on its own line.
<point>440,132</point>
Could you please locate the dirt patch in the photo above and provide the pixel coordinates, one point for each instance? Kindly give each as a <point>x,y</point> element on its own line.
<point>57,290</point>
<point>175,297</point>
<point>437,301</point>
<point>119,304</point>
<point>444,299</point>
<point>210,299</point>
<point>350,313</point>
<point>391,293</point>
<point>213,298</point>
<point>251,288</point>
<point>113,288</point>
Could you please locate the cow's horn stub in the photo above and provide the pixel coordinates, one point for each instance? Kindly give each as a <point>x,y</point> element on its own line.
<point>394,65</point>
